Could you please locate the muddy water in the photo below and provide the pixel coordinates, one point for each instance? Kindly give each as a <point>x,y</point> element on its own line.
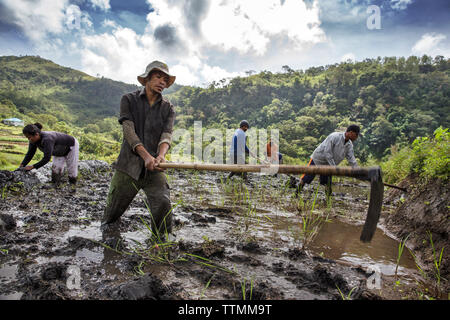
<point>340,241</point>
<point>336,239</point>
<point>251,232</point>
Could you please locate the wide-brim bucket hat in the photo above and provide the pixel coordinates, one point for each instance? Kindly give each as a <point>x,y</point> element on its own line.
<point>156,65</point>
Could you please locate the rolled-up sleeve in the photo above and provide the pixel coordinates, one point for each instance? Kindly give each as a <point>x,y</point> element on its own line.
<point>129,134</point>
<point>166,136</point>
<point>125,113</point>
<point>128,127</point>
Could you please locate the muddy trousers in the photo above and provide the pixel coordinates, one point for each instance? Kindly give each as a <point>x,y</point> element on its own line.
<point>122,191</point>
<point>70,160</point>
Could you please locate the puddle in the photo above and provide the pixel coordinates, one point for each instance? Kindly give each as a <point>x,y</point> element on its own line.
<point>8,272</point>
<point>340,241</point>
<point>12,296</point>
<point>91,231</point>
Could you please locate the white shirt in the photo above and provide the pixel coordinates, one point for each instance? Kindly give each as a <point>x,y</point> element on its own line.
<point>333,150</point>
<point>238,146</point>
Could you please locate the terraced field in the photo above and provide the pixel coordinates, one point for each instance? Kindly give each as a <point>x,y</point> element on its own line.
<point>13,146</point>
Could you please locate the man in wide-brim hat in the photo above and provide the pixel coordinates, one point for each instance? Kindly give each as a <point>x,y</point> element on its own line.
<point>147,120</point>
<point>156,65</point>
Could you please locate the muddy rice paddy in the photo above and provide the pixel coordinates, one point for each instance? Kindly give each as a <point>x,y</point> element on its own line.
<point>232,241</point>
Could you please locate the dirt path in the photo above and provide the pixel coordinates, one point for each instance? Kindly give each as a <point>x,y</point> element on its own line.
<point>232,242</point>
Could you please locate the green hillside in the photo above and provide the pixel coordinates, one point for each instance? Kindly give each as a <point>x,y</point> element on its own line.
<point>38,86</point>
<point>395,100</point>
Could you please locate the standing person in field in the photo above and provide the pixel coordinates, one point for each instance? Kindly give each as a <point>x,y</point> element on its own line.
<point>336,147</point>
<point>272,154</point>
<point>239,149</point>
<point>63,147</point>
<point>147,120</point>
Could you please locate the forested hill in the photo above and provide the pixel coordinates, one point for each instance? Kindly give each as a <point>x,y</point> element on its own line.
<point>393,99</point>
<point>39,86</point>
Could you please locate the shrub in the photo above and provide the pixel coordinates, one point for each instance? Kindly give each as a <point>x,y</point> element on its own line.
<point>428,157</point>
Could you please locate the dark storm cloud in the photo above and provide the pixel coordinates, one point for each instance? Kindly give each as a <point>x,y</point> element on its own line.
<point>195,11</point>
<point>167,35</point>
<point>7,21</point>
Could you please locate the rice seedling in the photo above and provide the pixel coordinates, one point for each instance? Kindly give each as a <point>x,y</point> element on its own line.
<point>345,297</point>
<point>437,260</point>
<point>422,272</point>
<point>206,262</point>
<point>244,291</point>
<point>311,223</point>
<point>4,192</point>
<point>138,269</point>
<point>206,287</point>
<point>401,247</point>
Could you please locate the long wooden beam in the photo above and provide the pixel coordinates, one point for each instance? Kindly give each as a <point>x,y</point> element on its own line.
<point>358,172</point>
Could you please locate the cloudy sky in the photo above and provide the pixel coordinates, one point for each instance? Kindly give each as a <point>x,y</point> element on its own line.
<point>207,40</point>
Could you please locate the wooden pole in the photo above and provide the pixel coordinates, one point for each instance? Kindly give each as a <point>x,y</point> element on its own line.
<point>264,168</point>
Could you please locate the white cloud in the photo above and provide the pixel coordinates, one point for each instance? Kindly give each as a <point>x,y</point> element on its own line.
<point>400,4</point>
<point>343,12</point>
<point>37,18</point>
<point>119,55</point>
<point>101,4</point>
<point>41,20</point>
<point>210,74</point>
<point>184,75</point>
<point>348,56</point>
<point>248,26</point>
<point>75,18</point>
<point>429,44</point>
<point>245,26</point>
<point>109,23</point>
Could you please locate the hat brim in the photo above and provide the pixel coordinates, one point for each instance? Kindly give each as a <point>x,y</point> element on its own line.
<point>142,77</point>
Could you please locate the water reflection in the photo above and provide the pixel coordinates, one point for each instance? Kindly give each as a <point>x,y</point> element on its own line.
<point>340,241</point>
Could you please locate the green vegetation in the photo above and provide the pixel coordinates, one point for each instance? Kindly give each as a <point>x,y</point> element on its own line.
<point>343,296</point>
<point>437,261</point>
<point>394,99</point>
<point>436,269</point>
<point>401,247</point>
<point>428,157</point>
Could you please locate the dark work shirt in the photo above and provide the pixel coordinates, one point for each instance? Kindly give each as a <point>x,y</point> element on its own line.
<point>153,126</point>
<point>51,143</point>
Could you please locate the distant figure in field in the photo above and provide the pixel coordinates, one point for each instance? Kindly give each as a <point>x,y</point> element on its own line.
<point>336,147</point>
<point>272,154</point>
<point>63,147</point>
<point>239,149</point>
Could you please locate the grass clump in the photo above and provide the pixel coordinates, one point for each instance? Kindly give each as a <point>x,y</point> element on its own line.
<point>427,156</point>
